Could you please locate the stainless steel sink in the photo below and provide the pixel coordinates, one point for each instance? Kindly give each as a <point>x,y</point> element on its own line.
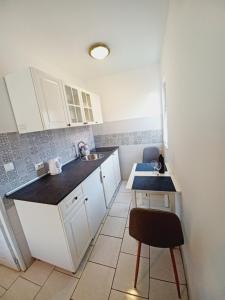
<point>92,156</point>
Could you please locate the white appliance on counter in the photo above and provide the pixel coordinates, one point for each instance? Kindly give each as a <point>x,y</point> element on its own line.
<point>10,255</point>
<point>55,166</point>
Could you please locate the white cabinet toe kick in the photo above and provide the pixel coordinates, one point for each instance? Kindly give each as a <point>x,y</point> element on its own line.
<point>60,234</point>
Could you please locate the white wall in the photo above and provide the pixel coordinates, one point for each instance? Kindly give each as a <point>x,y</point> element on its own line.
<point>131,103</point>
<point>129,95</point>
<point>193,65</point>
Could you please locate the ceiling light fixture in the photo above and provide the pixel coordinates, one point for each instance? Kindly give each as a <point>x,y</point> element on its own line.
<point>99,51</point>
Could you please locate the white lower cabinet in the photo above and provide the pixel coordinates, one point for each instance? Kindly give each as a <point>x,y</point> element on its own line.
<point>60,234</point>
<point>116,167</point>
<point>108,179</point>
<point>95,201</point>
<point>111,176</point>
<point>78,233</point>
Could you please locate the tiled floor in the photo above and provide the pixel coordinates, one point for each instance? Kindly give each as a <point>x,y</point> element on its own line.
<point>107,270</point>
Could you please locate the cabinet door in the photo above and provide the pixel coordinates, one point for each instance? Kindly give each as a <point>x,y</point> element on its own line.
<point>74,106</point>
<point>95,204</point>
<point>78,233</point>
<point>97,110</point>
<point>108,178</point>
<point>6,257</point>
<point>24,101</point>
<point>87,106</point>
<point>51,100</point>
<point>116,166</point>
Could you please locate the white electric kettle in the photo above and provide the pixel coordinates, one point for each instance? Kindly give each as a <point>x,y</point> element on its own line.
<point>55,166</point>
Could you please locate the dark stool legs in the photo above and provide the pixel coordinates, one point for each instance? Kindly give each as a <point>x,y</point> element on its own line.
<point>137,264</point>
<point>175,272</point>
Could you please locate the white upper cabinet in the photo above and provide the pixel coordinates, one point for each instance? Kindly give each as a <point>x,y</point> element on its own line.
<point>37,100</point>
<point>97,111</point>
<point>41,102</point>
<point>7,119</point>
<point>24,101</point>
<point>50,98</point>
<point>74,105</point>
<point>88,109</point>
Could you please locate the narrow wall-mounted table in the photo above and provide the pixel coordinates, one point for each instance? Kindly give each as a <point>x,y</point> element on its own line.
<point>143,178</point>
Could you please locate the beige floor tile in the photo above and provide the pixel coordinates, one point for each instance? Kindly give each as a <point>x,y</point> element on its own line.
<point>106,215</point>
<point>81,266</point>
<point>95,283</point>
<point>21,289</point>
<point>106,251</point>
<point>161,265</point>
<point>59,286</point>
<point>7,276</point>
<point>161,290</point>
<point>115,295</point>
<point>114,227</point>
<point>2,291</point>
<point>124,277</point>
<point>38,272</point>
<point>123,198</point>
<point>96,236</point>
<point>130,245</point>
<point>83,262</point>
<point>128,220</point>
<point>119,210</point>
<point>122,188</point>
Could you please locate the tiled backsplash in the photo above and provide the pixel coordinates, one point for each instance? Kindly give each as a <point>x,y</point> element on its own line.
<point>28,149</point>
<point>130,138</point>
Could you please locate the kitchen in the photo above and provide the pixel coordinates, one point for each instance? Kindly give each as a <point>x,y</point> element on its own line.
<point>80,104</point>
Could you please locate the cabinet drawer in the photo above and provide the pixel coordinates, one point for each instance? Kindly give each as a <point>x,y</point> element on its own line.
<point>67,204</point>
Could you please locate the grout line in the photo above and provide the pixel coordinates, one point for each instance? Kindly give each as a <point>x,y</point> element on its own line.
<point>12,282</point>
<point>118,256</point>
<point>44,283</point>
<point>164,280</point>
<point>97,263</point>
<point>135,255</point>
<point>72,277</point>
<point>118,217</point>
<point>107,235</point>
<point>30,281</point>
<point>93,262</point>
<point>138,296</point>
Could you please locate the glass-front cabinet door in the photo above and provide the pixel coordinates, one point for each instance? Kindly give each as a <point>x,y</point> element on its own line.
<point>74,106</point>
<point>87,105</point>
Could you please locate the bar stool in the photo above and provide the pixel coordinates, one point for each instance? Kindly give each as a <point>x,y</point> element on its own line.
<point>156,228</point>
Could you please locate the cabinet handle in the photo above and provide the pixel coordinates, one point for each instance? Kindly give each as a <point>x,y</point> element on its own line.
<point>68,125</point>
<point>74,199</point>
<point>85,123</point>
<point>86,199</point>
<point>103,176</point>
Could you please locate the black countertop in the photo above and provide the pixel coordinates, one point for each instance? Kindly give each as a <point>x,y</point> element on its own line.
<point>52,189</point>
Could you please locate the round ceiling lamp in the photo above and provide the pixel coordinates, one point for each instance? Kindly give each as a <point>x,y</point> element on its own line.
<point>99,51</point>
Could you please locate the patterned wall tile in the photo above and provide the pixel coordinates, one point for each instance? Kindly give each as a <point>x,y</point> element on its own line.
<point>131,138</point>
<point>25,150</point>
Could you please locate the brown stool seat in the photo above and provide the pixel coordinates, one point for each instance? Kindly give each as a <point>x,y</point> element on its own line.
<point>156,228</point>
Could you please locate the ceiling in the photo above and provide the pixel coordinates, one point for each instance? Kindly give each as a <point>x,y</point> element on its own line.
<point>59,32</point>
